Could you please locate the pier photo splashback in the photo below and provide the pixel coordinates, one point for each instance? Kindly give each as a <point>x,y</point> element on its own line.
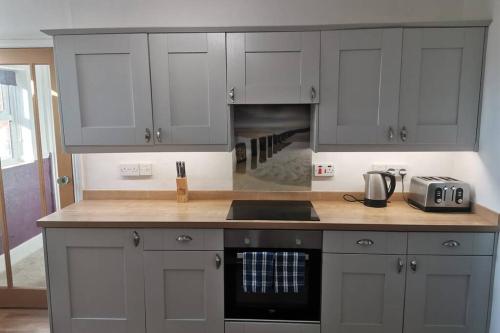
<point>272,150</point>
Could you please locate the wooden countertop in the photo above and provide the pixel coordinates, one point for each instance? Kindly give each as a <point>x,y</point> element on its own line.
<point>334,215</point>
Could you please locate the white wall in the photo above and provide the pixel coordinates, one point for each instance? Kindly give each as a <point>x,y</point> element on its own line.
<point>206,171</point>
<point>214,171</point>
<point>21,20</point>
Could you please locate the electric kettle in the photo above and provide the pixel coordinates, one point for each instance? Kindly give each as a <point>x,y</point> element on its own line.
<point>377,192</point>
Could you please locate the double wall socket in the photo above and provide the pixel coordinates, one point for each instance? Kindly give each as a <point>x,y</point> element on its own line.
<point>324,170</point>
<point>136,170</point>
<point>392,168</point>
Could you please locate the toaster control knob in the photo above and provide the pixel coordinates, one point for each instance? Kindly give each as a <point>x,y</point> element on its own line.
<point>459,199</point>
<point>438,195</point>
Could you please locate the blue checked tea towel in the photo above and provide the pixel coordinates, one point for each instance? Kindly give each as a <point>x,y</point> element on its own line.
<point>258,269</point>
<point>289,273</point>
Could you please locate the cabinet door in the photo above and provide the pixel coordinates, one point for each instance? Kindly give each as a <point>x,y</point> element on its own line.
<point>188,75</point>
<point>184,291</point>
<point>447,294</point>
<point>360,78</point>
<point>273,67</point>
<point>95,281</point>
<point>104,89</point>
<point>362,293</point>
<point>440,85</point>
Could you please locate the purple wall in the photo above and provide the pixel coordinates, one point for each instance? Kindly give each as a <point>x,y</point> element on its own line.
<point>22,200</point>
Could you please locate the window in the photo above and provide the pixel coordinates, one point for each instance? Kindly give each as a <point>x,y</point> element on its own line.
<point>6,149</point>
<point>16,115</point>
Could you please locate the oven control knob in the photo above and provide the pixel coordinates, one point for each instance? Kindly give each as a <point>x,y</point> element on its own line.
<point>247,241</point>
<point>298,242</point>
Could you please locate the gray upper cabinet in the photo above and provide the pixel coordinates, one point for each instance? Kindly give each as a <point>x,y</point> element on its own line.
<point>184,291</point>
<point>440,86</point>
<point>360,79</point>
<point>96,281</point>
<point>188,75</point>
<point>273,67</point>
<point>104,88</point>
<point>362,293</point>
<point>447,294</point>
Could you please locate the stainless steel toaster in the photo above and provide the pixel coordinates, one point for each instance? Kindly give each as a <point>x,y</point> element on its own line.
<point>439,194</point>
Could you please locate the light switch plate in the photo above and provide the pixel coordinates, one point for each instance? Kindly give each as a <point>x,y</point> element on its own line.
<point>145,169</point>
<point>324,170</point>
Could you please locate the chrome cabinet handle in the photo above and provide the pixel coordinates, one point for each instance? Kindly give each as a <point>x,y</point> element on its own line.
<point>158,134</point>
<point>137,238</point>
<point>231,94</point>
<point>365,242</point>
<point>313,93</point>
<point>404,134</point>
<point>400,265</point>
<point>218,261</point>
<point>451,243</point>
<point>147,135</point>
<point>413,265</point>
<point>184,238</point>
<point>390,134</point>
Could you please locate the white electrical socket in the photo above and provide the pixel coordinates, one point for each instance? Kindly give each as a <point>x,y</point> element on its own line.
<point>130,170</point>
<point>324,170</point>
<point>393,168</point>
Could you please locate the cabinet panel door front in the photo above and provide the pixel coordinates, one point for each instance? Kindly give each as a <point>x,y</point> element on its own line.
<point>447,294</point>
<point>96,281</point>
<point>104,87</point>
<point>273,67</point>
<point>360,71</point>
<point>184,292</point>
<point>188,75</point>
<point>440,84</point>
<point>362,293</point>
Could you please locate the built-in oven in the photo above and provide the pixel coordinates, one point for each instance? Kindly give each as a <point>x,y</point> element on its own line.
<point>302,305</point>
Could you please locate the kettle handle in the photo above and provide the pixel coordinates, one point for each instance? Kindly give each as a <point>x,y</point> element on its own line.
<point>392,185</point>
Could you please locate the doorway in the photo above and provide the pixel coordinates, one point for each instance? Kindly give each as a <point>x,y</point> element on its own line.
<point>36,175</point>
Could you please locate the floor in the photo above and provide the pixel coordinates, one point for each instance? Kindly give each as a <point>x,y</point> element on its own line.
<point>29,272</point>
<point>23,321</point>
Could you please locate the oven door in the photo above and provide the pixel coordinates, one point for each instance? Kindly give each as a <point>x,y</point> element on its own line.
<point>302,306</point>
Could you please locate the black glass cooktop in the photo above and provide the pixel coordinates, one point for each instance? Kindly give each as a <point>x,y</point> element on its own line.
<point>272,210</point>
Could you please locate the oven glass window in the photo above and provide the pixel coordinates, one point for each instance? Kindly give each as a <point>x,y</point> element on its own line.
<point>301,306</point>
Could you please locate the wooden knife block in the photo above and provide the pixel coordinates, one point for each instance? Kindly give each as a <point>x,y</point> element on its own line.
<point>182,190</point>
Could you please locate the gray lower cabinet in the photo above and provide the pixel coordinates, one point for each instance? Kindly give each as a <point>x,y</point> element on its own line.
<point>360,78</point>
<point>104,89</point>
<point>184,291</point>
<point>362,293</point>
<point>273,67</point>
<point>269,327</point>
<point>447,294</point>
<point>440,86</point>
<point>188,75</point>
<point>96,281</point>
